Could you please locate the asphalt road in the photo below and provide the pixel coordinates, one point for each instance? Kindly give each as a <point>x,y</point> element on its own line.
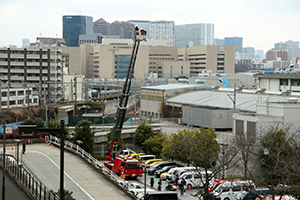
<point>80,178</point>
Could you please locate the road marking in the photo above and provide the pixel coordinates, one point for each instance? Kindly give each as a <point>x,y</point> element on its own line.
<point>65,174</point>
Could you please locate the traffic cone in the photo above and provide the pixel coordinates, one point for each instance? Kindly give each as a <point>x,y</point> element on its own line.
<point>12,147</point>
<point>50,142</point>
<point>41,140</point>
<point>190,187</point>
<point>28,141</point>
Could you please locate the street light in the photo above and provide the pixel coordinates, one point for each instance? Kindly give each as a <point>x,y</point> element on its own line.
<point>223,160</point>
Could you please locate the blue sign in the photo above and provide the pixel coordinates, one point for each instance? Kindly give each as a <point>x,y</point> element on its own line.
<point>8,129</point>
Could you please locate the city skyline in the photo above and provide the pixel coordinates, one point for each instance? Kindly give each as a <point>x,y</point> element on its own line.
<point>261,24</point>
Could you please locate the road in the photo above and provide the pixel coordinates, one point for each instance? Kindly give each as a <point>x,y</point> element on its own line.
<point>80,178</point>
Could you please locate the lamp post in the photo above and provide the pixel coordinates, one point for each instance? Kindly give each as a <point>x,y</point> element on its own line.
<point>18,141</point>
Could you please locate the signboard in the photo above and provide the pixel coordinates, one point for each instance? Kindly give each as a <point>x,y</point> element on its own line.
<point>8,129</point>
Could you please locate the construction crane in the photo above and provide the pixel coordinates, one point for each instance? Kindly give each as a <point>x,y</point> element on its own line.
<point>113,162</point>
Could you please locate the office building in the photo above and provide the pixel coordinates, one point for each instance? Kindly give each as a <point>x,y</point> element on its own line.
<point>48,41</point>
<point>142,24</point>
<point>249,52</point>
<point>259,54</point>
<point>95,38</point>
<point>162,30</point>
<point>218,59</point>
<point>112,60</point>
<point>39,69</point>
<point>25,43</point>
<point>75,25</point>
<point>293,48</point>
<point>280,45</point>
<point>189,35</point>
<point>235,41</point>
<point>217,41</point>
<point>125,30</point>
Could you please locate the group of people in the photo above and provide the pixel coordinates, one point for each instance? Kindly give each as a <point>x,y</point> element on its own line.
<point>169,187</point>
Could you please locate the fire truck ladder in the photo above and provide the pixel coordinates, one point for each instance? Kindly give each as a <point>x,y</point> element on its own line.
<point>121,110</point>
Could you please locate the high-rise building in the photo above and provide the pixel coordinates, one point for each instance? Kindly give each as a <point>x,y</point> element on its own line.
<point>275,53</point>
<point>194,34</point>
<point>249,52</point>
<point>280,45</point>
<point>259,54</point>
<point>142,24</point>
<point>125,30</point>
<point>236,41</point>
<point>100,26</point>
<point>293,48</point>
<point>218,41</point>
<point>75,25</point>
<point>25,43</point>
<point>162,30</point>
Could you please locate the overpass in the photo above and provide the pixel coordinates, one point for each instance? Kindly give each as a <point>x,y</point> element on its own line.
<point>81,178</point>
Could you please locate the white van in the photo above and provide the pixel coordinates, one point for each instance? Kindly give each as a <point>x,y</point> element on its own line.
<point>230,189</point>
<point>195,179</point>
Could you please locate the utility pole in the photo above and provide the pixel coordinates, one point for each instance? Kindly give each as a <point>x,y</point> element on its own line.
<point>75,85</point>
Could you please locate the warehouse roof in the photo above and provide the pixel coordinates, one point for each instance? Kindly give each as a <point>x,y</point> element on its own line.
<point>221,100</point>
<point>171,86</point>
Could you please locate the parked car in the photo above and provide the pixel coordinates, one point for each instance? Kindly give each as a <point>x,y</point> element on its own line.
<point>149,162</point>
<point>164,169</point>
<point>135,188</point>
<point>172,172</point>
<point>230,189</point>
<point>216,182</point>
<point>195,179</point>
<point>263,193</point>
<point>163,175</point>
<point>159,166</point>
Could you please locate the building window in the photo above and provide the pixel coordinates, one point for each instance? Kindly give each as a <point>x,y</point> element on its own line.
<point>251,129</point>
<point>295,82</point>
<point>284,82</point>
<point>239,127</point>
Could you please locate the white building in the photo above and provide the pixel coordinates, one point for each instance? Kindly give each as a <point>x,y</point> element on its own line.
<point>69,87</point>
<point>162,30</point>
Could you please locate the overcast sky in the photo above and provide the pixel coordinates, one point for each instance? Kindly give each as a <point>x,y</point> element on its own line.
<point>261,23</point>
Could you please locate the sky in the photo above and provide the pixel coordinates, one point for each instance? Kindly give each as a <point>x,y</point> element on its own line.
<point>261,23</point>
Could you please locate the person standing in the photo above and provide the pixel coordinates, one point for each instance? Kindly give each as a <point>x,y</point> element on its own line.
<point>159,185</point>
<point>24,147</point>
<point>176,179</point>
<point>181,186</point>
<point>151,182</point>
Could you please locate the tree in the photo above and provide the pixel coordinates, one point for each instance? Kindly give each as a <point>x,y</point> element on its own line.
<point>121,142</point>
<point>247,146</point>
<point>201,149</point>
<point>67,194</point>
<point>39,122</point>
<point>84,133</point>
<point>154,145</point>
<point>179,146</point>
<point>28,122</point>
<point>55,123</point>
<point>142,133</point>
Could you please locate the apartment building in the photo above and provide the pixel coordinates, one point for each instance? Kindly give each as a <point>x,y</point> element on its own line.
<point>39,69</point>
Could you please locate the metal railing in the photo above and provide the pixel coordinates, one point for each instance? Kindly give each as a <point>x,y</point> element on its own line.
<point>91,160</point>
<point>33,187</point>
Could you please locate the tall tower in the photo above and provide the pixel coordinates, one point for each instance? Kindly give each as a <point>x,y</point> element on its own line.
<point>236,41</point>
<point>75,25</point>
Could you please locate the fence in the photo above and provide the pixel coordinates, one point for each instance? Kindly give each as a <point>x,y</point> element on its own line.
<point>33,187</point>
<point>91,160</point>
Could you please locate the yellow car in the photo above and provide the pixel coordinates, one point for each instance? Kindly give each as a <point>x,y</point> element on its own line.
<point>134,156</point>
<point>163,175</point>
<point>149,162</point>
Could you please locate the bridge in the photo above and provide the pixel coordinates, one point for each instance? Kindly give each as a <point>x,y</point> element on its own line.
<point>81,178</point>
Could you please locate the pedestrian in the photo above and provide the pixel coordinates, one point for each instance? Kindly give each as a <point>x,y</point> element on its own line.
<point>151,182</point>
<point>169,187</point>
<point>181,186</point>
<point>146,197</point>
<point>159,185</point>
<point>184,183</point>
<point>176,179</point>
<point>24,147</point>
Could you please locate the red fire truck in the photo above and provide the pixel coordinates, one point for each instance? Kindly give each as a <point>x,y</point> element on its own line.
<point>120,166</point>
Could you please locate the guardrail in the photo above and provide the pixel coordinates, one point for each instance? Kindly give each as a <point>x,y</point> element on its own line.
<point>91,160</point>
<point>33,187</point>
